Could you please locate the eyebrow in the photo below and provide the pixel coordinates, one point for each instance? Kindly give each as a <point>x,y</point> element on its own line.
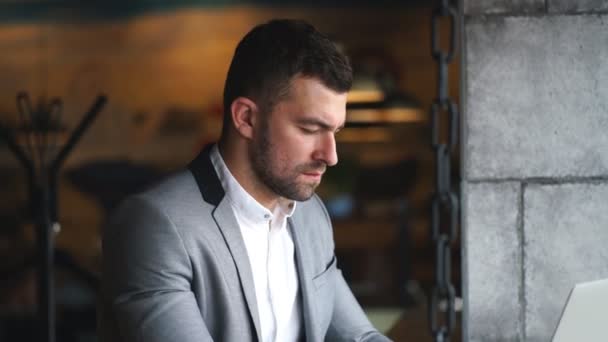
<point>320,123</point>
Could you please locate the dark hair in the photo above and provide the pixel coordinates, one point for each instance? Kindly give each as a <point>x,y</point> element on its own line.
<point>271,54</point>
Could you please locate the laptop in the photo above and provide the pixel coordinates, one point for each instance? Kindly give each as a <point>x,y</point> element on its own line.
<point>585,315</point>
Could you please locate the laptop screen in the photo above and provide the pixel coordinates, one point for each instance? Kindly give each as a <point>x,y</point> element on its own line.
<point>585,315</point>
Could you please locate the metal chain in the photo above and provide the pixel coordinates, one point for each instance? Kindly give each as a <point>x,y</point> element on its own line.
<point>445,202</point>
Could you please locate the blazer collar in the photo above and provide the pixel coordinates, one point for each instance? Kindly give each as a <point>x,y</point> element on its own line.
<point>211,189</point>
<point>208,182</point>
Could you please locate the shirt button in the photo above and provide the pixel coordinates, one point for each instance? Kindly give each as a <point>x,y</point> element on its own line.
<point>266,216</point>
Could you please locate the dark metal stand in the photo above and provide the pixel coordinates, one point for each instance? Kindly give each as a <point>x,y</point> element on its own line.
<point>43,201</point>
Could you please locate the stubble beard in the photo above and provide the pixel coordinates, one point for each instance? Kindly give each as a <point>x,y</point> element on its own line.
<point>286,185</point>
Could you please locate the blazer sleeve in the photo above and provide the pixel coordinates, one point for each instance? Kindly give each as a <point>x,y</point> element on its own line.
<point>348,322</point>
<point>146,277</point>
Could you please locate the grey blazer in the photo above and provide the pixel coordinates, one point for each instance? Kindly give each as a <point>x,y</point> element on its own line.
<point>175,268</point>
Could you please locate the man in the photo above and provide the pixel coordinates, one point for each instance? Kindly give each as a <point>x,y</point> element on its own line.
<point>238,247</point>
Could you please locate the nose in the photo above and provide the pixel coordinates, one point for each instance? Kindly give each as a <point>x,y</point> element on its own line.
<point>326,151</point>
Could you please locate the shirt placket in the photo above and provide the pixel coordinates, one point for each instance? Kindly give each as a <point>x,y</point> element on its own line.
<point>271,276</point>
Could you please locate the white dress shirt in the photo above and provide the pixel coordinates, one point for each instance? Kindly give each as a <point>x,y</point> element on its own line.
<point>271,254</point>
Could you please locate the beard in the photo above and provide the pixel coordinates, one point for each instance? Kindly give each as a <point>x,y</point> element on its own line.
<point>266,166</point>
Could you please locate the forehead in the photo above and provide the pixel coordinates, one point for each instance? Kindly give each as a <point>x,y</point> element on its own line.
<point>309,98</point>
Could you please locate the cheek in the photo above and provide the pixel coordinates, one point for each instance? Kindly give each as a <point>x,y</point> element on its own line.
<point>290,155</point>
<point>300,148</point>
<point>292,148</point>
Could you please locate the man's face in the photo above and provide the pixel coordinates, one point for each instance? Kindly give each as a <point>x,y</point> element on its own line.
<point>295,142</point>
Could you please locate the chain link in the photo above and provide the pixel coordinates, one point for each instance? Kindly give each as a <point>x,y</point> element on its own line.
<point>445,202</point>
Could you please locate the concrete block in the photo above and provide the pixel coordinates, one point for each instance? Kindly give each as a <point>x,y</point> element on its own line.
<point>536,97</point>
<point>574,6</point>
<point>491,262</point>
<point>473,7</point>
<point>565,237</point>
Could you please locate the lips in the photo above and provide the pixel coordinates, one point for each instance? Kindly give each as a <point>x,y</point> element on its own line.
<point>313,174</point>
<point>314,170</point>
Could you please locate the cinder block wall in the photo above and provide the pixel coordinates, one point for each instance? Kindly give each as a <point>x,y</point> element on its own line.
<point>535,161</point>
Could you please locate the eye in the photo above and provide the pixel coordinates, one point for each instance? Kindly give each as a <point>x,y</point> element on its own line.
<point>308,130</point>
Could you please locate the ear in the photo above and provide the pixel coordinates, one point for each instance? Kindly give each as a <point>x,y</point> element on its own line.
<point>244,115</point>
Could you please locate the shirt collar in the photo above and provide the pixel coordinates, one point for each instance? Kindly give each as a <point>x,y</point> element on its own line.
<point>247,206</point>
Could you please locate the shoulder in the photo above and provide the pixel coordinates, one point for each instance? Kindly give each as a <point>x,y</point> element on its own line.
<point>176,201</point>
<point>173,190</point>
<point>176,195</point>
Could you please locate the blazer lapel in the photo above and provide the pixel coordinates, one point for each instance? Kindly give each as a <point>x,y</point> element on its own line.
<point>304,258</point>
<point>213,193</point>
<point>232,235</point>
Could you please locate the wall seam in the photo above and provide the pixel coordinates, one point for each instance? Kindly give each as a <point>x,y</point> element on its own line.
<point>522,256</point>
<point>543,180</point>
<point>537,15</point>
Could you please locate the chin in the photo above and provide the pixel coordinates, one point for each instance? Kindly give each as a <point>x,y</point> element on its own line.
<point>306,195</point>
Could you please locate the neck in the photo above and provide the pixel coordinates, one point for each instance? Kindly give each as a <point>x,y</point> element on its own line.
<point>236,158</point>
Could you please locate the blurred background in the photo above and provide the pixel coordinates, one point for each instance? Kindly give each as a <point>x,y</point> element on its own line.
<point>162,66</point>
